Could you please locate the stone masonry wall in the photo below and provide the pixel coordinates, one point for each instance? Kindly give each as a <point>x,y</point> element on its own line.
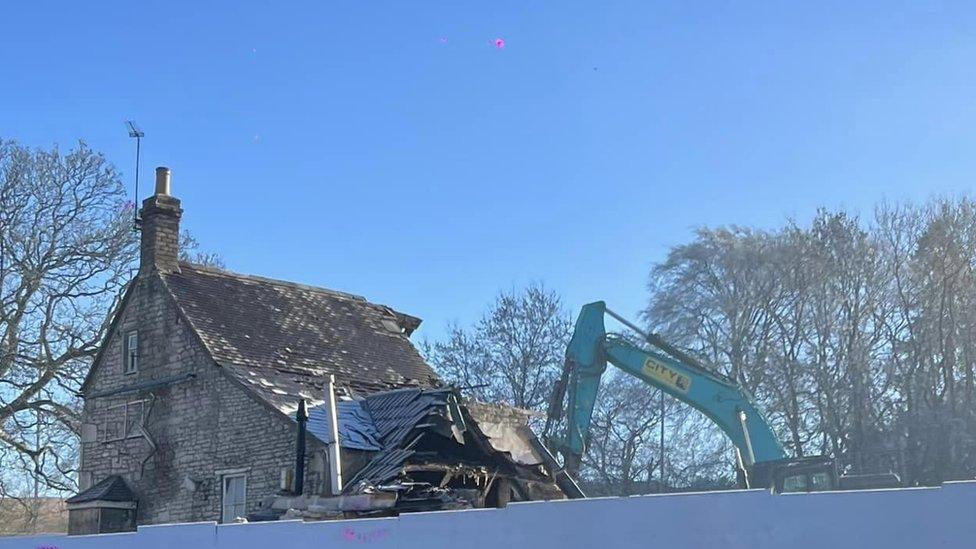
<point>198,428</point>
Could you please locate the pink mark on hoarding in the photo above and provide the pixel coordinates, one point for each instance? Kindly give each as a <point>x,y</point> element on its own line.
<point>365,536</point>
<point>443,40</point>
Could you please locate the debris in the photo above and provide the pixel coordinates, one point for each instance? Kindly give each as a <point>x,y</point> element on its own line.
<point>424,451</point>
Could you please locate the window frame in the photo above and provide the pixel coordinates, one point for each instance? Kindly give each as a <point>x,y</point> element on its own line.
<point>223,496</point>
<point>130,360</point>
<point>126,432</point>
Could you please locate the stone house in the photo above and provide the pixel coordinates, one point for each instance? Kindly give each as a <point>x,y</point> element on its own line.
<point>191,399</point>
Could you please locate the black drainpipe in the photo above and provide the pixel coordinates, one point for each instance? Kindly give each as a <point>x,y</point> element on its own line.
<point>302,417</point>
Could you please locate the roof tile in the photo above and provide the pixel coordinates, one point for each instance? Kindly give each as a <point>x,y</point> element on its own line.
<point>111,488</point>
<point>284,339</point>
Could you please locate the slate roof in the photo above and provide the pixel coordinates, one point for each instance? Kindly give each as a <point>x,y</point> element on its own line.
<point>398,417</point>
<point>112,488</point>
<point>356,428</point>
<point>283,339</point>
<point>381,420</point>
<point>397,413</point>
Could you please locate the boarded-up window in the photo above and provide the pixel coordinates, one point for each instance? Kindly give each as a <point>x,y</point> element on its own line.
<point>233,498</point>
<point>113,427</point>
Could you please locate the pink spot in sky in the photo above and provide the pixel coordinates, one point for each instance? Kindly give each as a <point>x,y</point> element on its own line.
<point>443,40</point>
<point>499,43</point>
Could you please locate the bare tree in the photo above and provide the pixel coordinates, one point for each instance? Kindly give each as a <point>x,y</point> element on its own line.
<point>190,252</point>
<point>513,354</point>
<point>67,250</point>
<point>621,455</point>
<point>930,260</point>
<point>66,246</point>
<point>713,296</point>
<point>858,337</point>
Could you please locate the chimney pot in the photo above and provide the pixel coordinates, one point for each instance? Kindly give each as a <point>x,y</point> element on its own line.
<point>161,212</point>
<point>162,180</point>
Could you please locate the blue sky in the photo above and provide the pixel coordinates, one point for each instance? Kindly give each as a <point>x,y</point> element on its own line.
<point>390,149</point>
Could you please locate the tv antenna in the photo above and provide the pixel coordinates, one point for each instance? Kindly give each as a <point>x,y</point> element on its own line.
<point>134,131</point>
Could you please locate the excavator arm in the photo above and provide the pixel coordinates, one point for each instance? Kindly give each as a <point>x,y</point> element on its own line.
<point>681,376</point>
<point>762,459</point>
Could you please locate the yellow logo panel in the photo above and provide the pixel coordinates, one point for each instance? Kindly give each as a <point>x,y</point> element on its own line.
<point>666,375</point>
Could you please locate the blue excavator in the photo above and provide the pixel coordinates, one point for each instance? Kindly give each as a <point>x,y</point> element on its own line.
<point>762,460</point>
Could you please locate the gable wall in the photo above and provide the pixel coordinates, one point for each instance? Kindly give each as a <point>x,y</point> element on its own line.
<point>198,427</point>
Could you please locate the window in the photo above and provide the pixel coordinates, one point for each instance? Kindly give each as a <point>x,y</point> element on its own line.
<point>134,414</point>
<point>233,497</point>
<point>124,421</point>
<point>820,482</point>
<point>795,483</point>
<point>130,352</point>
<point>114,426</point>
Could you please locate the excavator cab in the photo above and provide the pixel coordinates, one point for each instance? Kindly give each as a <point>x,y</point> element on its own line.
<point>783,476</point>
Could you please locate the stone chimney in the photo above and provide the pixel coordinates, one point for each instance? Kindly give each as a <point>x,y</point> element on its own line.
<point>160,228</point>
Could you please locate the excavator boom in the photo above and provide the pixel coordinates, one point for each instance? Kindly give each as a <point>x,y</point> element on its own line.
<point>721,399</point>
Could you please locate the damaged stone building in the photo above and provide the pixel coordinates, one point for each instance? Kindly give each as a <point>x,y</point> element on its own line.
<point>195,407</point>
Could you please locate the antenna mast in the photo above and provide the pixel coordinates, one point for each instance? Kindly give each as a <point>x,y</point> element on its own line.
<point>134,131</point>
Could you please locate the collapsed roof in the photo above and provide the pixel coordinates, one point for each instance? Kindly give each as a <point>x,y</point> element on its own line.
<point>417,440</point>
